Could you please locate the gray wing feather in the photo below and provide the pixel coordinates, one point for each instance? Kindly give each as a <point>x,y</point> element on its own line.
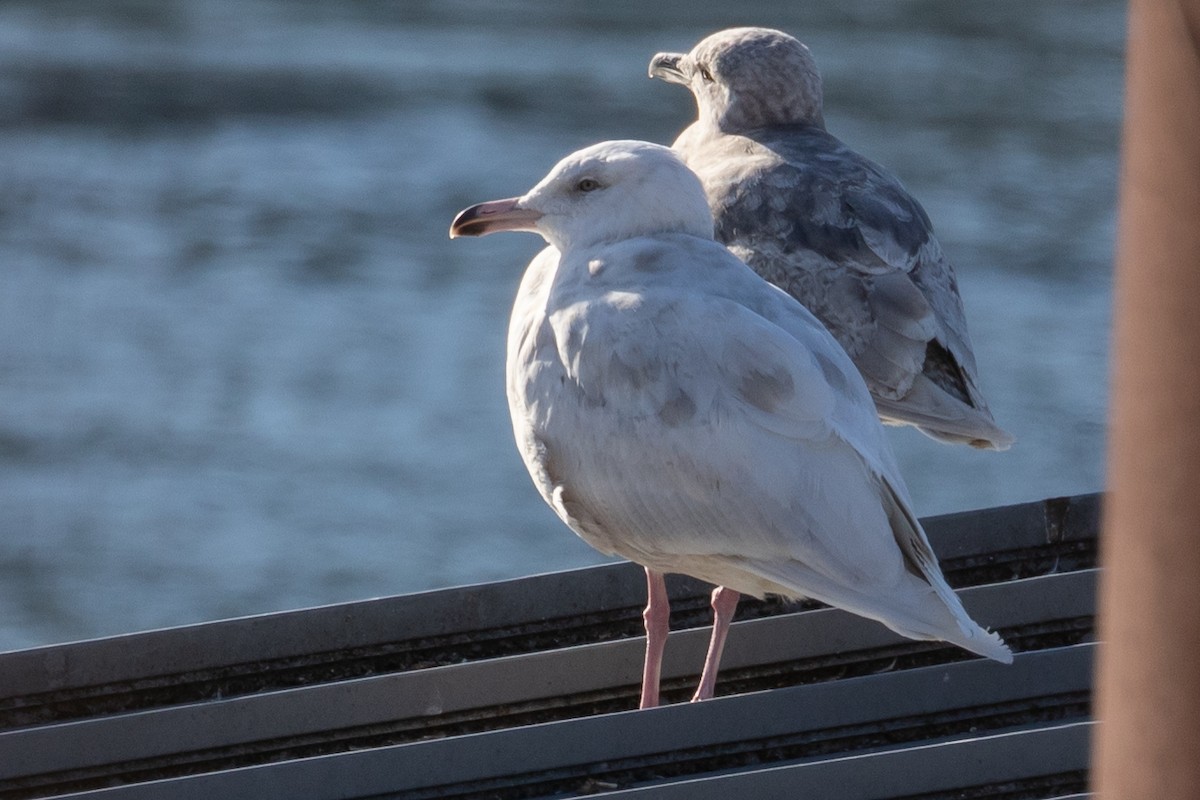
<point>842,235</point>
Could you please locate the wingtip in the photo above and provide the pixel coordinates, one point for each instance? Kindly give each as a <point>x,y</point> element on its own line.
<point>1001,652</point>
<point>944,418</point>
<point>1000,440</point>
<point>949,433</point>
<point>988,645</point>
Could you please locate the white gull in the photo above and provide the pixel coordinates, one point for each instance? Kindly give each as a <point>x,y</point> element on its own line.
<point>832,228</point>
<point>675,409</point>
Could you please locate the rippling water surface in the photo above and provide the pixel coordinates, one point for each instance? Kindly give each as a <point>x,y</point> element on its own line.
<point>242,368</point>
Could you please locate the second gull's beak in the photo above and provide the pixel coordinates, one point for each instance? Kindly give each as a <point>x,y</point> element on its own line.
<point>666,67</point>
<point>497,215</point>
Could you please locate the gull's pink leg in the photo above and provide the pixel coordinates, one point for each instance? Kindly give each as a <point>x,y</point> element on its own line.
<point>658,624</point>
<point>724,603</point>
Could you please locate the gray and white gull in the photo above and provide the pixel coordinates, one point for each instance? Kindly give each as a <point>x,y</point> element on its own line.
<point>675,409</point>
<point>835,230</point>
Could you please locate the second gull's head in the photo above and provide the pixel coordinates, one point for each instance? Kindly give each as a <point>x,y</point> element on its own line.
<point>746,78</point>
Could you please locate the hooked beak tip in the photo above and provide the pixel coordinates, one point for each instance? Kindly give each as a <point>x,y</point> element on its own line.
<point>665,66</point>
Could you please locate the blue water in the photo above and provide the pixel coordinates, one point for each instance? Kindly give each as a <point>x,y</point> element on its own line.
<point>243,369</point>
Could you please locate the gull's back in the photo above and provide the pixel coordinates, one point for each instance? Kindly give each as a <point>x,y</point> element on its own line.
<point>842,235</point>
<point>678,411</point>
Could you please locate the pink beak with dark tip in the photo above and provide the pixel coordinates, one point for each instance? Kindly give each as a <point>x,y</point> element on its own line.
<point>496,215</point>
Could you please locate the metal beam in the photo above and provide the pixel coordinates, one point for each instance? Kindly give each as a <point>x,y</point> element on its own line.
<point>633,747</point>
<point>1006,760</point>
<point>274,651</point>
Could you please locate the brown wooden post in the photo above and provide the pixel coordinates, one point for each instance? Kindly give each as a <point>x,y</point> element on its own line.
<point>1148,680</point>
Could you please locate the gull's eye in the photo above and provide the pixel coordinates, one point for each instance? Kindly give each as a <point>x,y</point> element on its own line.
<point>704,73</point>
<point>588,185</point>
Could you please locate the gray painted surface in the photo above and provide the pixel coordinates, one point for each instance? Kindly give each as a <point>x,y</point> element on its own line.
<point>526,689</point>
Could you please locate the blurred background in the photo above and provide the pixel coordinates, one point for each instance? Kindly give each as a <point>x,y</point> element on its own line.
<point>243,369</point>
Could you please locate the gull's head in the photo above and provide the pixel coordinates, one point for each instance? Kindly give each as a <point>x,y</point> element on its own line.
<point>604,193</point>
<point>746,78</point>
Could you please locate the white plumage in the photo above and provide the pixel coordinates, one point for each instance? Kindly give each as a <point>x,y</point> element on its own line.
<point>677,410</point>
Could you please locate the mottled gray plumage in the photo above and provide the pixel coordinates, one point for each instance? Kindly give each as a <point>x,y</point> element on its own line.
<point>832,228</point>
